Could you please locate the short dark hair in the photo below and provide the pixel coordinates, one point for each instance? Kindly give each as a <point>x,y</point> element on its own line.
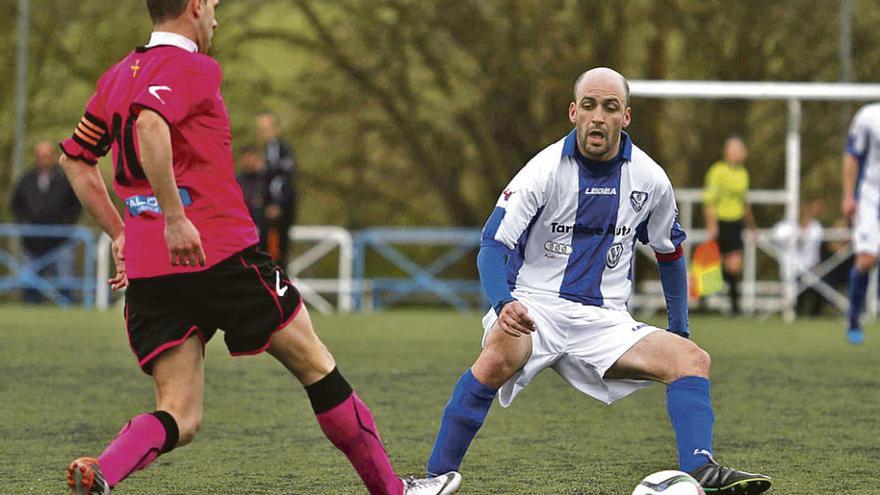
<point>163,10</point>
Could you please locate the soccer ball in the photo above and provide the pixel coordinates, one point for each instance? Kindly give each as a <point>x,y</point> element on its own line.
<point>669,483</point>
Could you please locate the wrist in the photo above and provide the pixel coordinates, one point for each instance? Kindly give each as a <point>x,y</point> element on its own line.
<point>174,217</point>
<point>500,304</point>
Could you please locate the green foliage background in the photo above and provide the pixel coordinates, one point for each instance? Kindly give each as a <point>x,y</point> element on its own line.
<point>417,112</point>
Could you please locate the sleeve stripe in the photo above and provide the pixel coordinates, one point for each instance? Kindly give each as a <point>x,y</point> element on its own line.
<point>95,121</point>
<point>92,127</point>
<point>85,137</point>
<point>678,253</point>
<point>88,132</point>
<point>494,222</point>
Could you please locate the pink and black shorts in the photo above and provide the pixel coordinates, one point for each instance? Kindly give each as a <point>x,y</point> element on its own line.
<point>247,295</point>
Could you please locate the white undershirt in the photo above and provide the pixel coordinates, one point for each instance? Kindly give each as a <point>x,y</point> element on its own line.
<point>165,38</point>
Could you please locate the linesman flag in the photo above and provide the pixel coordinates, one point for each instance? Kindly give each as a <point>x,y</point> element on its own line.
<point>705,273</point>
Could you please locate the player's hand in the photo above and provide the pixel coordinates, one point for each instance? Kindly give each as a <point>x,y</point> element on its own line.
<point>515,321</point>
<point>184,242</point>
<point>848,207</point>
<point>117,248</point>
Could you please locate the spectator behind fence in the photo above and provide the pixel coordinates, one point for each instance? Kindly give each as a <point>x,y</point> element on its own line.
<point>252,179</point>
<point>808,253</point>
<point>727,212</point>
<point>838,277</point>
<point>43,196</point>
<point>280,173</point>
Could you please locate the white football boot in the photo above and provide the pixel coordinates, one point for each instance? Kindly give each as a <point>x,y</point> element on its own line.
<point>445,484</point>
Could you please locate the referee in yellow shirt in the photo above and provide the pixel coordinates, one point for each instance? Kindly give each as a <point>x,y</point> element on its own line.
<point>727,212</point>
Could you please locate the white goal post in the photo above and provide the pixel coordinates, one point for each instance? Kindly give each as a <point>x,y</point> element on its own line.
<point>790,92</point>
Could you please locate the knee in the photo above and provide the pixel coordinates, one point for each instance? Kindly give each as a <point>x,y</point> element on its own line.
<point>494,368</point>
<point>695,362</point>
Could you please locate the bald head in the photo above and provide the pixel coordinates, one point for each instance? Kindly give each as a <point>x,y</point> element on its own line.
<point>45,155</point>
<point>600,111</point>
<point>602,76</point>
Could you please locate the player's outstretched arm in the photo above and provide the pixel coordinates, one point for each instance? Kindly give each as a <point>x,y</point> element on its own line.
<point>181,236</point>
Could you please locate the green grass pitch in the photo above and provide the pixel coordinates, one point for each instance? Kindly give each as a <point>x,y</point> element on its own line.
<point>793,401</point>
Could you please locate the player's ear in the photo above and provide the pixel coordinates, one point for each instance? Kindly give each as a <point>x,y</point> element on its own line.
<point>627,116</point>
<point>196,7</point>
<point>572,112</point>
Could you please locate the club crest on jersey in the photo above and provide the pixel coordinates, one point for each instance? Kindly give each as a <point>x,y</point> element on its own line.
<point>614,254</point>
<point>637,199</point>
<point>506,194</point>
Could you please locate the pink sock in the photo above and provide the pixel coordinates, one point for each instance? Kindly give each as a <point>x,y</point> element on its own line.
<point>351,428</point>
<point>137,445</point>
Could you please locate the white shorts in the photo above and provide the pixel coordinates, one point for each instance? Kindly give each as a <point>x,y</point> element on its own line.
<point>866,227</point>
<point>579,342</point>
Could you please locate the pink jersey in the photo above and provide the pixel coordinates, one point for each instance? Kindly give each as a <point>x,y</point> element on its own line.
<point>184,88</point>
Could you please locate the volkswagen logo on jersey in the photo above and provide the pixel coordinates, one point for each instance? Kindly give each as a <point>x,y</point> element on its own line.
<point>613,256</point>
<point>558,248</point>
<point>637,200</point>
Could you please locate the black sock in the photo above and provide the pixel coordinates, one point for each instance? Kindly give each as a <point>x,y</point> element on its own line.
<point>733,283</point>
<point>172,432</point>
<point>328,392</point>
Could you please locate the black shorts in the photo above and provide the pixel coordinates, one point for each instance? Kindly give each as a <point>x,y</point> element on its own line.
<point>247,295</point>
<point>730,236</point>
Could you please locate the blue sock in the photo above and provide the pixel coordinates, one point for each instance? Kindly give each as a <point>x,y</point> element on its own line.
<point>462,418</point>
<point>690,411</point>
<point>858,286</point>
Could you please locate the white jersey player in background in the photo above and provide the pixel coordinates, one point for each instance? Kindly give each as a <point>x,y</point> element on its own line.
<point>555,261</point>
<point>861,205</point>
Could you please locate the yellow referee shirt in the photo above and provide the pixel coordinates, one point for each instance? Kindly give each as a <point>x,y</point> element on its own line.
<point>726,189</point>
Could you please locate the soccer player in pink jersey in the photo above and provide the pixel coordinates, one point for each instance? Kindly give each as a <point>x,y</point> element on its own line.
<point>161,112</point>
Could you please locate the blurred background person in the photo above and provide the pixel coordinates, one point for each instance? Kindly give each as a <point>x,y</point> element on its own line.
<point>860,203</point>
<point>280,176</point>
<point>838,277</point>
<point>44,196</point>
<point>727,212</point>
<point>252,179</point>
<point>808,234</point>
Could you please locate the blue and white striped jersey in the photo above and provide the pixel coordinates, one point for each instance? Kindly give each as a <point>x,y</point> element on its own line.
<point>864,145</point>
<point>572,233</point>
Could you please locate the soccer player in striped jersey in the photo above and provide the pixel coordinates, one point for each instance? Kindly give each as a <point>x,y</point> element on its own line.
<point>186,253</point>
<point>861,206</point>
<point>556,260</point>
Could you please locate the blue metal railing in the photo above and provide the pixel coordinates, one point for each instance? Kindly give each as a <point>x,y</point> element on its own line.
<point>25,272</point>
<point>419,280</point>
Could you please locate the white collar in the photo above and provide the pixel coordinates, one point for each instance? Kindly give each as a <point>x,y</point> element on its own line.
<point>165,38</point>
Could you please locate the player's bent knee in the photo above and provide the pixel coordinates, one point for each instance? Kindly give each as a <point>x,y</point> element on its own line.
<point>696,362</point>
<point>494,367</point>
